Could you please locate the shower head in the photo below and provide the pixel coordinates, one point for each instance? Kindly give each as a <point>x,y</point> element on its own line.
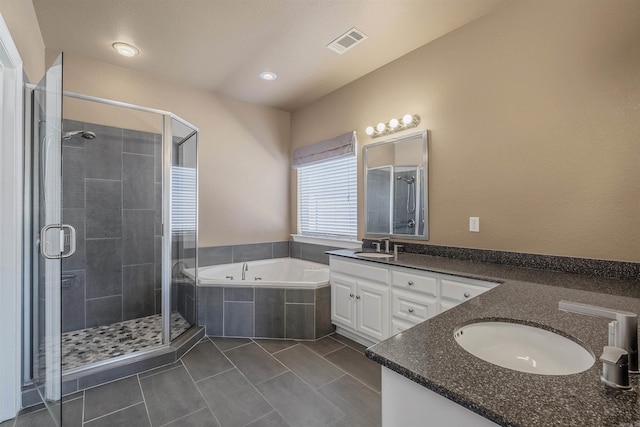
<point>83,133</point>
<point>408,180</point>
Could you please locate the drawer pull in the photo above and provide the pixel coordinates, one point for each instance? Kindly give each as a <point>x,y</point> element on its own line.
<point>357,296</point>
<point>410,282</point>
<point>350,295</point>
<point>411,310</point>
<point>467,294</point>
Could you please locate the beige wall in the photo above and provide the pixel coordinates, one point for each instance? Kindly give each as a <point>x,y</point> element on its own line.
<point>22,22</point>
<point>534,119</point>
<point>244,148</point>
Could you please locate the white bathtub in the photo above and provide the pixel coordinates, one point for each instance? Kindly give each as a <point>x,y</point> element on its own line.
<point>271,273</point>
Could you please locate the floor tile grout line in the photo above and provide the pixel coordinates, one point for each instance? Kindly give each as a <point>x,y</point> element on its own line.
<point>266,415</point>
<point>331,382</point>
<point>202,395</point>
<point>84,402</point>
<point>159,372</point>
<point>214,375</point>
<point>113,412</point>
<point>347,344</point>
<point>350,374</point>
<point>317,392</point>
<point>229,349</point>
<point>320,354</point>
<point>278,351</point>
<point>312,387</point>
<point>185,416</point>
<point>144,400</point>
<point>254,386</point>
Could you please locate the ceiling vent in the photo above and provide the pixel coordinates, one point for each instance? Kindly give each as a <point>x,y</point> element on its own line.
<point>346,41</point>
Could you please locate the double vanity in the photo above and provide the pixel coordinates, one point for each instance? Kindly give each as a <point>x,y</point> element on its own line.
<point>435,370</point>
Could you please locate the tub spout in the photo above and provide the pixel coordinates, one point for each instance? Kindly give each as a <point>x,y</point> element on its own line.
<point>245,268</point>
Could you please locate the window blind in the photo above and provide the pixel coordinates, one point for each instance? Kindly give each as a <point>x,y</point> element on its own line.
<point>184,199</point>
<point>327,198</point>
<point>339,146</point>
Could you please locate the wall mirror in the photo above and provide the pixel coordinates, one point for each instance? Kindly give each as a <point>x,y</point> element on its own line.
<point>396,187</point>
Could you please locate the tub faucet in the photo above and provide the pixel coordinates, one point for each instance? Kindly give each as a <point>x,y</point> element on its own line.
<point>245,268</point>
<point>623,329</point>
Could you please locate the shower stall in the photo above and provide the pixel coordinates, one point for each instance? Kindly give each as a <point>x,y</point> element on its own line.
<point>113,210</point>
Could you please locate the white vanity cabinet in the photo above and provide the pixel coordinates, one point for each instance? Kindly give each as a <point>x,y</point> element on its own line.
<point>455,291</point>
<point>414,298</point>
<point>373,301</point>
<point>360,299</point>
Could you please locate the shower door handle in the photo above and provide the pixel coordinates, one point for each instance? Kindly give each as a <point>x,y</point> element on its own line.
<point>61,253</point>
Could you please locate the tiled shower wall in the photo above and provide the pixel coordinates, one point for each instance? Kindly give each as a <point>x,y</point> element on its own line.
<point>112,196</point>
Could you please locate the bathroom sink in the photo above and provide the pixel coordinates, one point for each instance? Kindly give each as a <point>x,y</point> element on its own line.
<point>524,348</point>
<point>373,255</point>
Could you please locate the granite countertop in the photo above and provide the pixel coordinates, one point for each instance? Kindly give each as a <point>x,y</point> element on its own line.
<point>429,355</point>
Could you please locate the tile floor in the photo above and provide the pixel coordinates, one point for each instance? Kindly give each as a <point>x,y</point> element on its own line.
<point>236,382</point>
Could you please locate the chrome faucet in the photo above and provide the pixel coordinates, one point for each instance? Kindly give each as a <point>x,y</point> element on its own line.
<point>623,330</point>
<point>387,242</point>
<point>245,268</point>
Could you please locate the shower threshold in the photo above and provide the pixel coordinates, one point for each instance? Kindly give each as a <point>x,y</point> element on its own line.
<point>87,346</point>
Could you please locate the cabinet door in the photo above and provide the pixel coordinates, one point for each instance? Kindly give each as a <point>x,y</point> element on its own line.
<point>372,309</point>
<point>343,290</point>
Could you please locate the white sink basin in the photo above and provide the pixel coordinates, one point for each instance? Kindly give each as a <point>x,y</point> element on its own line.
<point>373,255</point>
<point>524,348</point>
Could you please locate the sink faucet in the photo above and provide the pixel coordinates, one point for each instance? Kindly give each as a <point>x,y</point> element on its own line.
<point>245,268</point>
<point>386,241</point>
<point>623,330</point>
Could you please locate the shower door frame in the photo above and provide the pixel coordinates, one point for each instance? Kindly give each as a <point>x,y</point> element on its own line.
<point>167,136</point>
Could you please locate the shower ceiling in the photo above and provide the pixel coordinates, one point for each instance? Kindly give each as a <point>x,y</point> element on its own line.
<point>222,45</point>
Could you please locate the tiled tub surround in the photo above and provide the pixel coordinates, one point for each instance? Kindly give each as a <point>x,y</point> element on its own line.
<point>265,312</point>
<point>216,255</point>
<point>278,298</point>
<point>112,196</point>
<point>429,355</point>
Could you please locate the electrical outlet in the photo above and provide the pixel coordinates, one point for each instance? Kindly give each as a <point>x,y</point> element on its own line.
<point>474,224</point>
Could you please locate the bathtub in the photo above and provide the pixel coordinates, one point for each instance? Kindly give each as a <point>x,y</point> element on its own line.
<point>278,272</point>
<point>282,298</point>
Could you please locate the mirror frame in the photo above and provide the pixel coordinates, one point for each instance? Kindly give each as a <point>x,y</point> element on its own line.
<point>425,191</point>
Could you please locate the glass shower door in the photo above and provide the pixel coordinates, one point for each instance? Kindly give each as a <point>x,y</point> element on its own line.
<point>50,236</point>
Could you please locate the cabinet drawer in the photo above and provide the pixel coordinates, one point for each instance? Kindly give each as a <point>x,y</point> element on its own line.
<point>412,307</point>
<point>414,282</point>
<point>461,291</point>
<point>359,269</point>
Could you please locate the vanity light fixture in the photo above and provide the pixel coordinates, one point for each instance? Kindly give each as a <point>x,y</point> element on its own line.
<point>268,76</point>
<point>125,49</point>
<point>394,125</point>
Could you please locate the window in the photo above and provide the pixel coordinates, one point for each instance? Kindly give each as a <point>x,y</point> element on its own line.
<point>327,198</point>
<point>183,192</point>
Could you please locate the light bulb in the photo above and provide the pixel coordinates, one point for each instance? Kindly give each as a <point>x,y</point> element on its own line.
<point>369,130</point>
<point>407,119</point>
<point>381,127</point>
<point>393,123</point>
<point>125,49</point>
<point>268,75</point>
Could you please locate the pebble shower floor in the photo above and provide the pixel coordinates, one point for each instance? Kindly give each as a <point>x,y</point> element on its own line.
<point>92,345</point>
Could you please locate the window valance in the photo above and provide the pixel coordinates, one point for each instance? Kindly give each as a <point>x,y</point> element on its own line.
<point>332,148</point>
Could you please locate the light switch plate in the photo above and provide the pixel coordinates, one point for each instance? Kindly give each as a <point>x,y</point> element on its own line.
<point>474,224</point>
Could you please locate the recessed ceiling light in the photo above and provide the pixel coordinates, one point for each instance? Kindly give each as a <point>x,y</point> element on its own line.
<point>125,49</point>
<point>268,75</point>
